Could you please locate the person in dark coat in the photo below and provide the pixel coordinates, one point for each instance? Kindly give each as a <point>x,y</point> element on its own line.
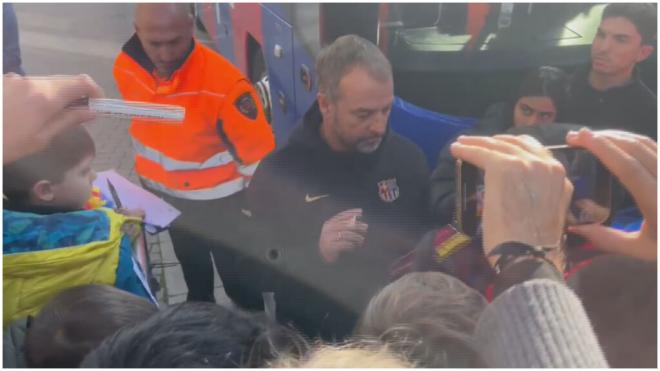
<point>342,200</point>
<point>609,93</point>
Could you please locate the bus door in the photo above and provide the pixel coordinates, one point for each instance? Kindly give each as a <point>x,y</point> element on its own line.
<point>278,53</point>
<point>216,18</point>
<point>306,45</point>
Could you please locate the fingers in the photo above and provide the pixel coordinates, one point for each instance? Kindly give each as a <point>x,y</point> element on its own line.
<point>527,143</point>
<point>349,220</point>
<point>140,213</point>
<point>51,95</point>
<point>638,146</point>
<point>61,90</point>
<point>482,151</point>
<point>350,238</point>
<point>647,156</point>
<point>64,120</point>
<point>630,168</point>
<point>80,86</point>
<point>616,241</point>
<point>591,212</point>
<point>494,144</point>
<point>646,141</point>
<point>570,218</point>
<point>136,213</point>
<point>477,156</point>
<point>341,233</point>
<point>348,214</point>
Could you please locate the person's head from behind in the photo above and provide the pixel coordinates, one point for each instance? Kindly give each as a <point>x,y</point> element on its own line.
<point>625,37</point>
<point>355,95</point>
<point>60,176</point>
<point>166,34</point>
<point>428,316</point>
<point>77,320</point>
<point>620,295</point>
<point>541,97</point>
<point>197,334</point>
<point>356,354</point>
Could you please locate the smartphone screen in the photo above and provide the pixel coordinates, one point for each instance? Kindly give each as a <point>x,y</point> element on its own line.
<point>592,190</point>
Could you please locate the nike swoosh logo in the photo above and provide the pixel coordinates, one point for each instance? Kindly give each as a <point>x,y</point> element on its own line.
<point>309,198</point>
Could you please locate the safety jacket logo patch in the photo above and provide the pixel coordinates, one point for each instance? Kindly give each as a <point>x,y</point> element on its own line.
<point>247,106</point>
<point>388,190</point>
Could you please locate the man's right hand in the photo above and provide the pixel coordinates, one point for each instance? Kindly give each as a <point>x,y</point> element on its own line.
<point>36,110</point>
<point>342,232</point>
<point>633,159</point>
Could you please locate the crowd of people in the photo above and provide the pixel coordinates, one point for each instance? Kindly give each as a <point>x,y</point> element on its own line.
<point>338,248</point>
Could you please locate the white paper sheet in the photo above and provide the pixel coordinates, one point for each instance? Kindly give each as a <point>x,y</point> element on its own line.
<point>158,213</point>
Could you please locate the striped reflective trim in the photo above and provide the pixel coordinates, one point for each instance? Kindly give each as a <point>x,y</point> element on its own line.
<point>170,164</point>
<point>248,170</point>
<point>201,92</point>
<point>222,190</point>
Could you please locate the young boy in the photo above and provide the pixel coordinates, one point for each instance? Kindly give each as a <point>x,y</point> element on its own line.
<point>57,179</point>
<point>49,242</point>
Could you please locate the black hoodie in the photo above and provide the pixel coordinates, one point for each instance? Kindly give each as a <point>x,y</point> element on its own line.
<point>631,107</point>
<point>297,188</point>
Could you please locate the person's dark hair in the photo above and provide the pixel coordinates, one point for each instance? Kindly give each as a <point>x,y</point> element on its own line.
<point>63,153</point>
<point>344,54</point>
<point>77,320</point>
<point>430,317</point>
<point>546,81</point>
<point>642,15</point>
<point>197,334</point>
<point>620,296</point>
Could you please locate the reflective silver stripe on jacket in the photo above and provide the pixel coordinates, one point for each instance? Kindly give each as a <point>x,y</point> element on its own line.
<point>220,191</point>
<point>248,170</point>
<point>170,164</point>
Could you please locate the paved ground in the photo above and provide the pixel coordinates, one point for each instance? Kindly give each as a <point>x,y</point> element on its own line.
<point>85,38</point>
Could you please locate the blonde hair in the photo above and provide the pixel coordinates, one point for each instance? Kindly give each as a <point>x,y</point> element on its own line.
<point>361,354</point>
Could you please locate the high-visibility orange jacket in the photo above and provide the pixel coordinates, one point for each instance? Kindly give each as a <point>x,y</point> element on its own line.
<point>215,151</point>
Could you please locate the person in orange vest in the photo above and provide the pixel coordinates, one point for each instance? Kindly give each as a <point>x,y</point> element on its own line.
<point>202,165</point>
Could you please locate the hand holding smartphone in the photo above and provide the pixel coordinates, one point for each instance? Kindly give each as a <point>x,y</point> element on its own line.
<point>591,202</point>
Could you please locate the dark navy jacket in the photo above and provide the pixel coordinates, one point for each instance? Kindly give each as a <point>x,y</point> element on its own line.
<point>632,107</point>
<point>297,188</point>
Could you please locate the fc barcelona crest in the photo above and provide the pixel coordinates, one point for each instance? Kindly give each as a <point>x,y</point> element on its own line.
<point>388,190</point>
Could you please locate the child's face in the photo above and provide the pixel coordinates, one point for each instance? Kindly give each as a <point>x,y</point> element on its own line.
<point>76,187</point>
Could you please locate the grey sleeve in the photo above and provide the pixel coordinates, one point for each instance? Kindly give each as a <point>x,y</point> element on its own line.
<point>538,323</point>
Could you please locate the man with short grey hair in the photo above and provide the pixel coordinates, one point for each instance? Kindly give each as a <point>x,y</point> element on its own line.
<point>342,200</point>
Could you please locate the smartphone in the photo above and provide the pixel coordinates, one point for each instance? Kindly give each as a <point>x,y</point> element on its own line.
<point>592,190</point>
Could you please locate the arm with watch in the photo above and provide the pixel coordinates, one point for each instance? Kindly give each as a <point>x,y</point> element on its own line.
<point>535,320</point>
<point>525,204</point>
<point>527,195</point>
